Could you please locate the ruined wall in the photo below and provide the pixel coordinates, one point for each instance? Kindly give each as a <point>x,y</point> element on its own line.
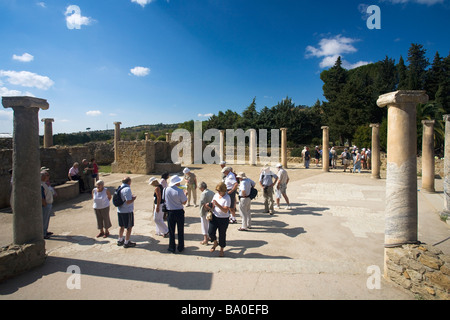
<point>135,157</point>
<point>421,269</point>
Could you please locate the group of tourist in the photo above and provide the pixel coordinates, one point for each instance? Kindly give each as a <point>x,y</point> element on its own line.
<point>216,209</point>
<point>86,174</point>
<point>360,159</point>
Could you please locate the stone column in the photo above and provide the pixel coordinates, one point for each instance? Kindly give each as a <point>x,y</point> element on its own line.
<point>325,151</point>
<point>284,147</point>
<point>146,136</point>
<point>222,145</point>
<point>168,137</point>
<point>401,181</point>
<point>446,212</point>
<point>27,200</point>
<point>116,139</point>
<point>375,157</point>
<point>252,153</point>
<point>48,132</point>
<point>428,156</point>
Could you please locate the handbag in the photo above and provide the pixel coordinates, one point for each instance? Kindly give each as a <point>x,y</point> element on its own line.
<point>209,216</point>
<point>164,206</point>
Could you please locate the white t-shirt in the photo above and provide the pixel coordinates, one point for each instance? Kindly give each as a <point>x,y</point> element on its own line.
<point>225,201</point>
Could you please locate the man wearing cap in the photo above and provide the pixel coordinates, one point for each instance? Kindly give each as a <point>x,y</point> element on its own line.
<point>232,185</point>
<point>175,198</point>
<point>245,186</point>
<point>281,186</point>
<point>266,180</point>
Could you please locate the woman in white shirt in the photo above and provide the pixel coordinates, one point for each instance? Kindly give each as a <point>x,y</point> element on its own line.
<point>220,219</point>
<point>102,197</point>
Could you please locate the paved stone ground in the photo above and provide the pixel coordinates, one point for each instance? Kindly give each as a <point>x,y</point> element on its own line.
<point>321,249</point>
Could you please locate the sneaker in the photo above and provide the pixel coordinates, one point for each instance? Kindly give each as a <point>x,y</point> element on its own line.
<point>129,244</point>
<point>120,242</point>
<point>288,208</point>
<point>276,207</point>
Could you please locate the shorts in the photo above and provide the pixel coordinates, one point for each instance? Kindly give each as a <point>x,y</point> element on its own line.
<point>281,191</point>
<point>126,220</point>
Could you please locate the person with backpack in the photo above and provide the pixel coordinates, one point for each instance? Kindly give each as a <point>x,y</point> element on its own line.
<point>267,180</point>
<point>245,186</point>
<point>123,199</point>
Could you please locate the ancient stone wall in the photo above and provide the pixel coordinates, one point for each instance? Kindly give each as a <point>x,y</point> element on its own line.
<point>421,269</point>
<point>134,157</point>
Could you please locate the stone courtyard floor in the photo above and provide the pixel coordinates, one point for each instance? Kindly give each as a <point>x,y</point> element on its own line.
<point>321,249</point>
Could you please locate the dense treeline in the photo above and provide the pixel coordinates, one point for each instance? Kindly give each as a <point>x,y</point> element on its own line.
<point>350,105</point>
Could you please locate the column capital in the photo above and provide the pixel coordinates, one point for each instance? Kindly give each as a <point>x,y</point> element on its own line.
<point>374,125</point>
<point>283,129</point>
<point>446,117</point>
<point>26,102</point>
<point>45,120</point>
<point>324,128</point>
<point>117,123</point>
<point>402,97</point>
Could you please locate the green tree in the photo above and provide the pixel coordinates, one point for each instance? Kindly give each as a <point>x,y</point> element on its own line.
<point>418,63</point>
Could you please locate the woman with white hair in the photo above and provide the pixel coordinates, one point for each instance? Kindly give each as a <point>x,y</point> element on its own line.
<point>158,214</point>
<point>102,197</point>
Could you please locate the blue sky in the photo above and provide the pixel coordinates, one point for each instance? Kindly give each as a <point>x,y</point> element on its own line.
<point>169,61</point>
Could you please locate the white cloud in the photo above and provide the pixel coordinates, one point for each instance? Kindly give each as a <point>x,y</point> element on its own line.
<point>6,114</point>
<point>140,71</point>
<point>329,49</point>
<point>26,57</point>
<point>41,4</point>
<point>74,19</point>
<point>142,3</point>
<point>27,79</point>
<point>206,115</point>
<point>93,113</point>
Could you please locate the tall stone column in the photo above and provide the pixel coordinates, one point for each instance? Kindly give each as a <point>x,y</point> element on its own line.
<point>146,136</point>
<point>401,181</point>
<point>252,154</point>
<point>116,139</point>
<point>168,137</point>
<point>325,152</point>
<point>428,156</point>
<point>222,145</point>
<point>446,212</point>
<point>284,147</point>
<point>375,156</point>
<point>27,200</point>
<point>48,132</point>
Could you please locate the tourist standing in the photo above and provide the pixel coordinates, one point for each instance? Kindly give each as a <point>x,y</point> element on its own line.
<point>245,187</point>
<point>357,161</point>
<point>94,170</point>
<point>163,180</point>
<point>205,198</point>
<point>175,199</point>
<point>267,180</point>
<point>307,158</point>
<point>158,214</point>
<point>102,197</point>
<point>281,186</point>
<point>220,219</point>
<point>191,184</point>
<point>232,185</point>
<point>346,159</point>
<point>86,169</point>
<point>47,203</point>
<point>125,214</point>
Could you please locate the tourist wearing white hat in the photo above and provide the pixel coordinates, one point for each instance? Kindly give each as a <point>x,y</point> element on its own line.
<point>158,214</point>
<point>267,182</point>
<point>281,186</point>
<point>232,185</point>
<point>191,184</point>
<point>245,187</point>
<point>175,199</point>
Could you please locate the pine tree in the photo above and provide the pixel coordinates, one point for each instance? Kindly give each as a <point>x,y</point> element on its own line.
<point>402,74</point>
<point>418,63</point>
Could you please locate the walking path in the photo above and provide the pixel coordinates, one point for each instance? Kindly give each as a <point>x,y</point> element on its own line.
<point>321,249</point>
